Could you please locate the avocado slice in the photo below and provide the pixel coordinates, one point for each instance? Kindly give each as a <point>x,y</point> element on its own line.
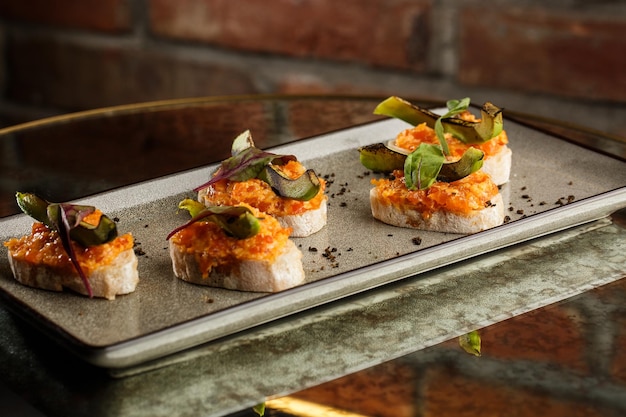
<point>470,162</point>
<point>236,221</point>
<point>303,188</point>
<point>490,125</point>
<point>380,158</point>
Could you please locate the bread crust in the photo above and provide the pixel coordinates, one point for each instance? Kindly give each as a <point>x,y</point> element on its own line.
<point>307,223</point>
<point>498,166</point>
<point>439,221</point>
<point>249,275</point>
<point>117,278</point>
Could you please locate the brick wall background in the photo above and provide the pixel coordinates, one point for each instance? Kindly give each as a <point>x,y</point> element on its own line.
<point>563,59</point>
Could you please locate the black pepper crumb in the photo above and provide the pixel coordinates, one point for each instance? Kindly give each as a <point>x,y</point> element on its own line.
<point>417,241</point>
<point>312,249</point>
<point>139,252</point>
<point>520,211</point>
<point>507,219</point>
<point>525,196</point>
<point>343,204</point>
<point>116,219</point>
<point>329,253</point>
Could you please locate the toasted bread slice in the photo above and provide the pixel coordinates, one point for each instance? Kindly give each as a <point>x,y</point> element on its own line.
<point>247,275</point>
<point>115,278</point>
<point>469,205</point>
<point>438,221</point>
<point>266,261</point>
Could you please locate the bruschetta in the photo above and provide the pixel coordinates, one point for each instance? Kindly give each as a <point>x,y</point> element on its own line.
<point>74,247</point>
<point>278,185</point>
<point>437,186</point>
<point>236,248</point>
<point>460,128</point>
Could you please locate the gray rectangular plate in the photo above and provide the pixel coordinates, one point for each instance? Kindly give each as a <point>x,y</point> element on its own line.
<point>353,253</point>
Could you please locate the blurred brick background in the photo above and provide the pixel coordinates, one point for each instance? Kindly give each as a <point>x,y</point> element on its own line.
<point>563,59</point>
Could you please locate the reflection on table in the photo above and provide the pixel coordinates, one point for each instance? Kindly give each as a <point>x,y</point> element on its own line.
<point>566,359</point>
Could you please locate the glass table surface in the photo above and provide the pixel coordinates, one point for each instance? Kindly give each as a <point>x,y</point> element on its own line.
<point>391,351</point>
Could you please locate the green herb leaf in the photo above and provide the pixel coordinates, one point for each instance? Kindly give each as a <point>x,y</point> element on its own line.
<point>422,166</point>
<point>246,163</point>
<point>471,343</point>
<point>259,409</point>
<point>66,217</point>
<point>454,107</point>
<point>241,143</point>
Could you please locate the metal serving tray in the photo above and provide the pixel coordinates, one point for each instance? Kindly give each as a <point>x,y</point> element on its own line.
<point>554,185</point>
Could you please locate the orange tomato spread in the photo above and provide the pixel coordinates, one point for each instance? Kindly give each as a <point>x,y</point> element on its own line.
<point>212,247</point>
<point>43,247</point>
<point>259,194</point>
<point>410,139</point>
<point>473,192</point>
